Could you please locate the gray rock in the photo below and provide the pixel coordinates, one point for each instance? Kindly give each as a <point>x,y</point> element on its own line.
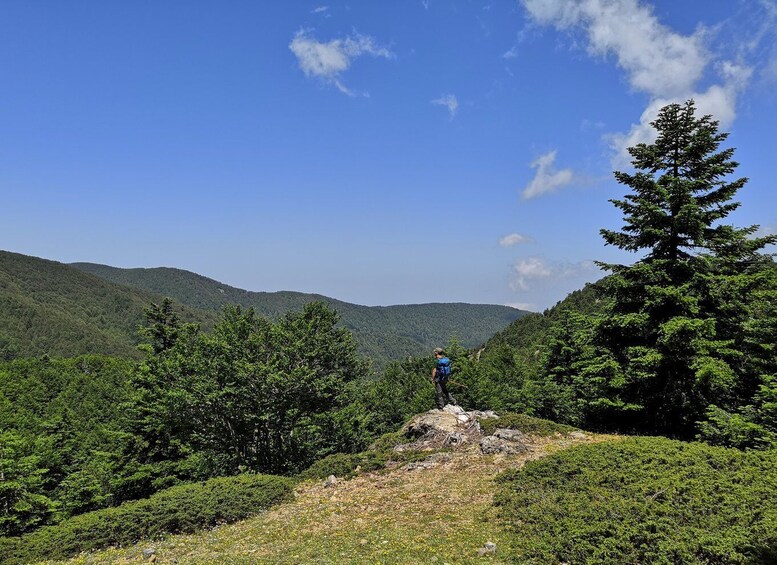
<point>459,412</point>
<point>479,415</point>
<point>331,481</point>
<point>510,435</point>
<point>488,548</point>
<point>449,427</point>
<point>454,439</point>
<point>148,552</point>
<point>490,445</point>
<point>419,466</point>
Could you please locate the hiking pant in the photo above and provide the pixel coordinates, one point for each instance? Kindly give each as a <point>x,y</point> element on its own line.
<point>443,395</point>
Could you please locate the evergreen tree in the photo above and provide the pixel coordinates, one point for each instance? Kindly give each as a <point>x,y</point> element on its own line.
<point>162,326</point>
<point>675,326</point>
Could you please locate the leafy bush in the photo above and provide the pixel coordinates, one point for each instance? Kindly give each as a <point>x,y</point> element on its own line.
<point>388,441</point>
<point>527,424</point>
<point>180,509</point>
<point>380,453</point>
<point>345,464</point>
<point>643,500</point>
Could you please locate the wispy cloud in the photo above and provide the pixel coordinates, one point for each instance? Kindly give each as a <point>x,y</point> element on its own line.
<point>449,101</point>
<point>512,53</point>
<point>514,239</point>
<point>523,306</point>
<point>328,61</point>
<point>529,269</point>
<point>546,179</point>
<point>319,10</point>
<point>535,268</point>
<point>657,60</point>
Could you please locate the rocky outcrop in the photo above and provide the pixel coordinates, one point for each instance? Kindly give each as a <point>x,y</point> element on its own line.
<point>455,428</point>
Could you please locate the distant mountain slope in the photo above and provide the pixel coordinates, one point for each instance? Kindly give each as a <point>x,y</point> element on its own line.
<point>382,332</point>
<point>529,335</point>
<point>51,308</point>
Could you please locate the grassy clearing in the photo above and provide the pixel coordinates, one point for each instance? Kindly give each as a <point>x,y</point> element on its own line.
<point>437,515</point>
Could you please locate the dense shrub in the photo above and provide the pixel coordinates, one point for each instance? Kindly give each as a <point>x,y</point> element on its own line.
<point>643,500</point>
<point>380,453</point>
<point>527,424</point>
<point>180,509</point>
<point>345,464</point>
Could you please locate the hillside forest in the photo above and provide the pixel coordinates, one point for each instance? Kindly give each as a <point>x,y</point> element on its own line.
<point>679,344</point>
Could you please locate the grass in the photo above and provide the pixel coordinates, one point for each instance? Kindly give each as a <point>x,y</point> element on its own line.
<point>439,515</point>
<point>527,424</point>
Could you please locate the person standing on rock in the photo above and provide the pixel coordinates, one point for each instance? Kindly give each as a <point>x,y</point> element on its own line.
<point>440,375</point>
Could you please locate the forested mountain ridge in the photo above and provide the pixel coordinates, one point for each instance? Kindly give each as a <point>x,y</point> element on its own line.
<point>47,307</point>
<point>382,332</point>
<point>50,308</point>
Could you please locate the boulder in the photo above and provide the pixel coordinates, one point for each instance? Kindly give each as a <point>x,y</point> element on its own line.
<point>488,548</point>
<point>461,415</point>
<point>454,439</point>
<point>491,445</point>
<point>510,435</point>
<point>456,428</point>
<point>432,422</point>
<point>479,415</point>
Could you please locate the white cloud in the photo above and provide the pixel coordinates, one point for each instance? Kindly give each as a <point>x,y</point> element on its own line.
<point>535,268</point>
<point>763,231</point>
<point>658,61</point>
<point>523,306</point>
<point>449,101</point>
<point>769,72</point>
<point>319,9</point>
<point>717,100</point>
<point>514,239</point>
<point>546,179</point>
<point>512,53</point>
<point>328,61</point>
<point>529,269</point>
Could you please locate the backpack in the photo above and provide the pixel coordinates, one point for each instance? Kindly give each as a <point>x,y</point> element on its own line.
<point>443,368</point>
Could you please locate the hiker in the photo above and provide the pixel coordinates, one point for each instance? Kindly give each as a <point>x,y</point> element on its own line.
<point>440,375</point>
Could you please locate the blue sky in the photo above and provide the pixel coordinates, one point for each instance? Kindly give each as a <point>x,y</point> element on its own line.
<point>375,152</point>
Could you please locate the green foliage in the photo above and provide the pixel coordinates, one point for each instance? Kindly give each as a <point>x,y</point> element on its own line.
<point>683,328</point>
<point>347,465</point>
<point>180,509</point>
<point>253,394</point>
<point>23,504</point>
<point>734,430</point>
<point>64,442</point>
<point>524,423</point>
<point>50,308</point>
<point>379,454</point>
<point>402,390</point>
<point>643,500</point>
<point>382,333</point>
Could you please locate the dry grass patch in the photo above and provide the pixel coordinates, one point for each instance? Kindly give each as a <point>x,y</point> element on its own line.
<point>438,515</point>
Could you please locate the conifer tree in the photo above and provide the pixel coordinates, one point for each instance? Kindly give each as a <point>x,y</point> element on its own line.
<point>676,324</point>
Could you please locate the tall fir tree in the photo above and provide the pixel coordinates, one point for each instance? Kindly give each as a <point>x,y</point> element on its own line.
<point>674,337</point>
